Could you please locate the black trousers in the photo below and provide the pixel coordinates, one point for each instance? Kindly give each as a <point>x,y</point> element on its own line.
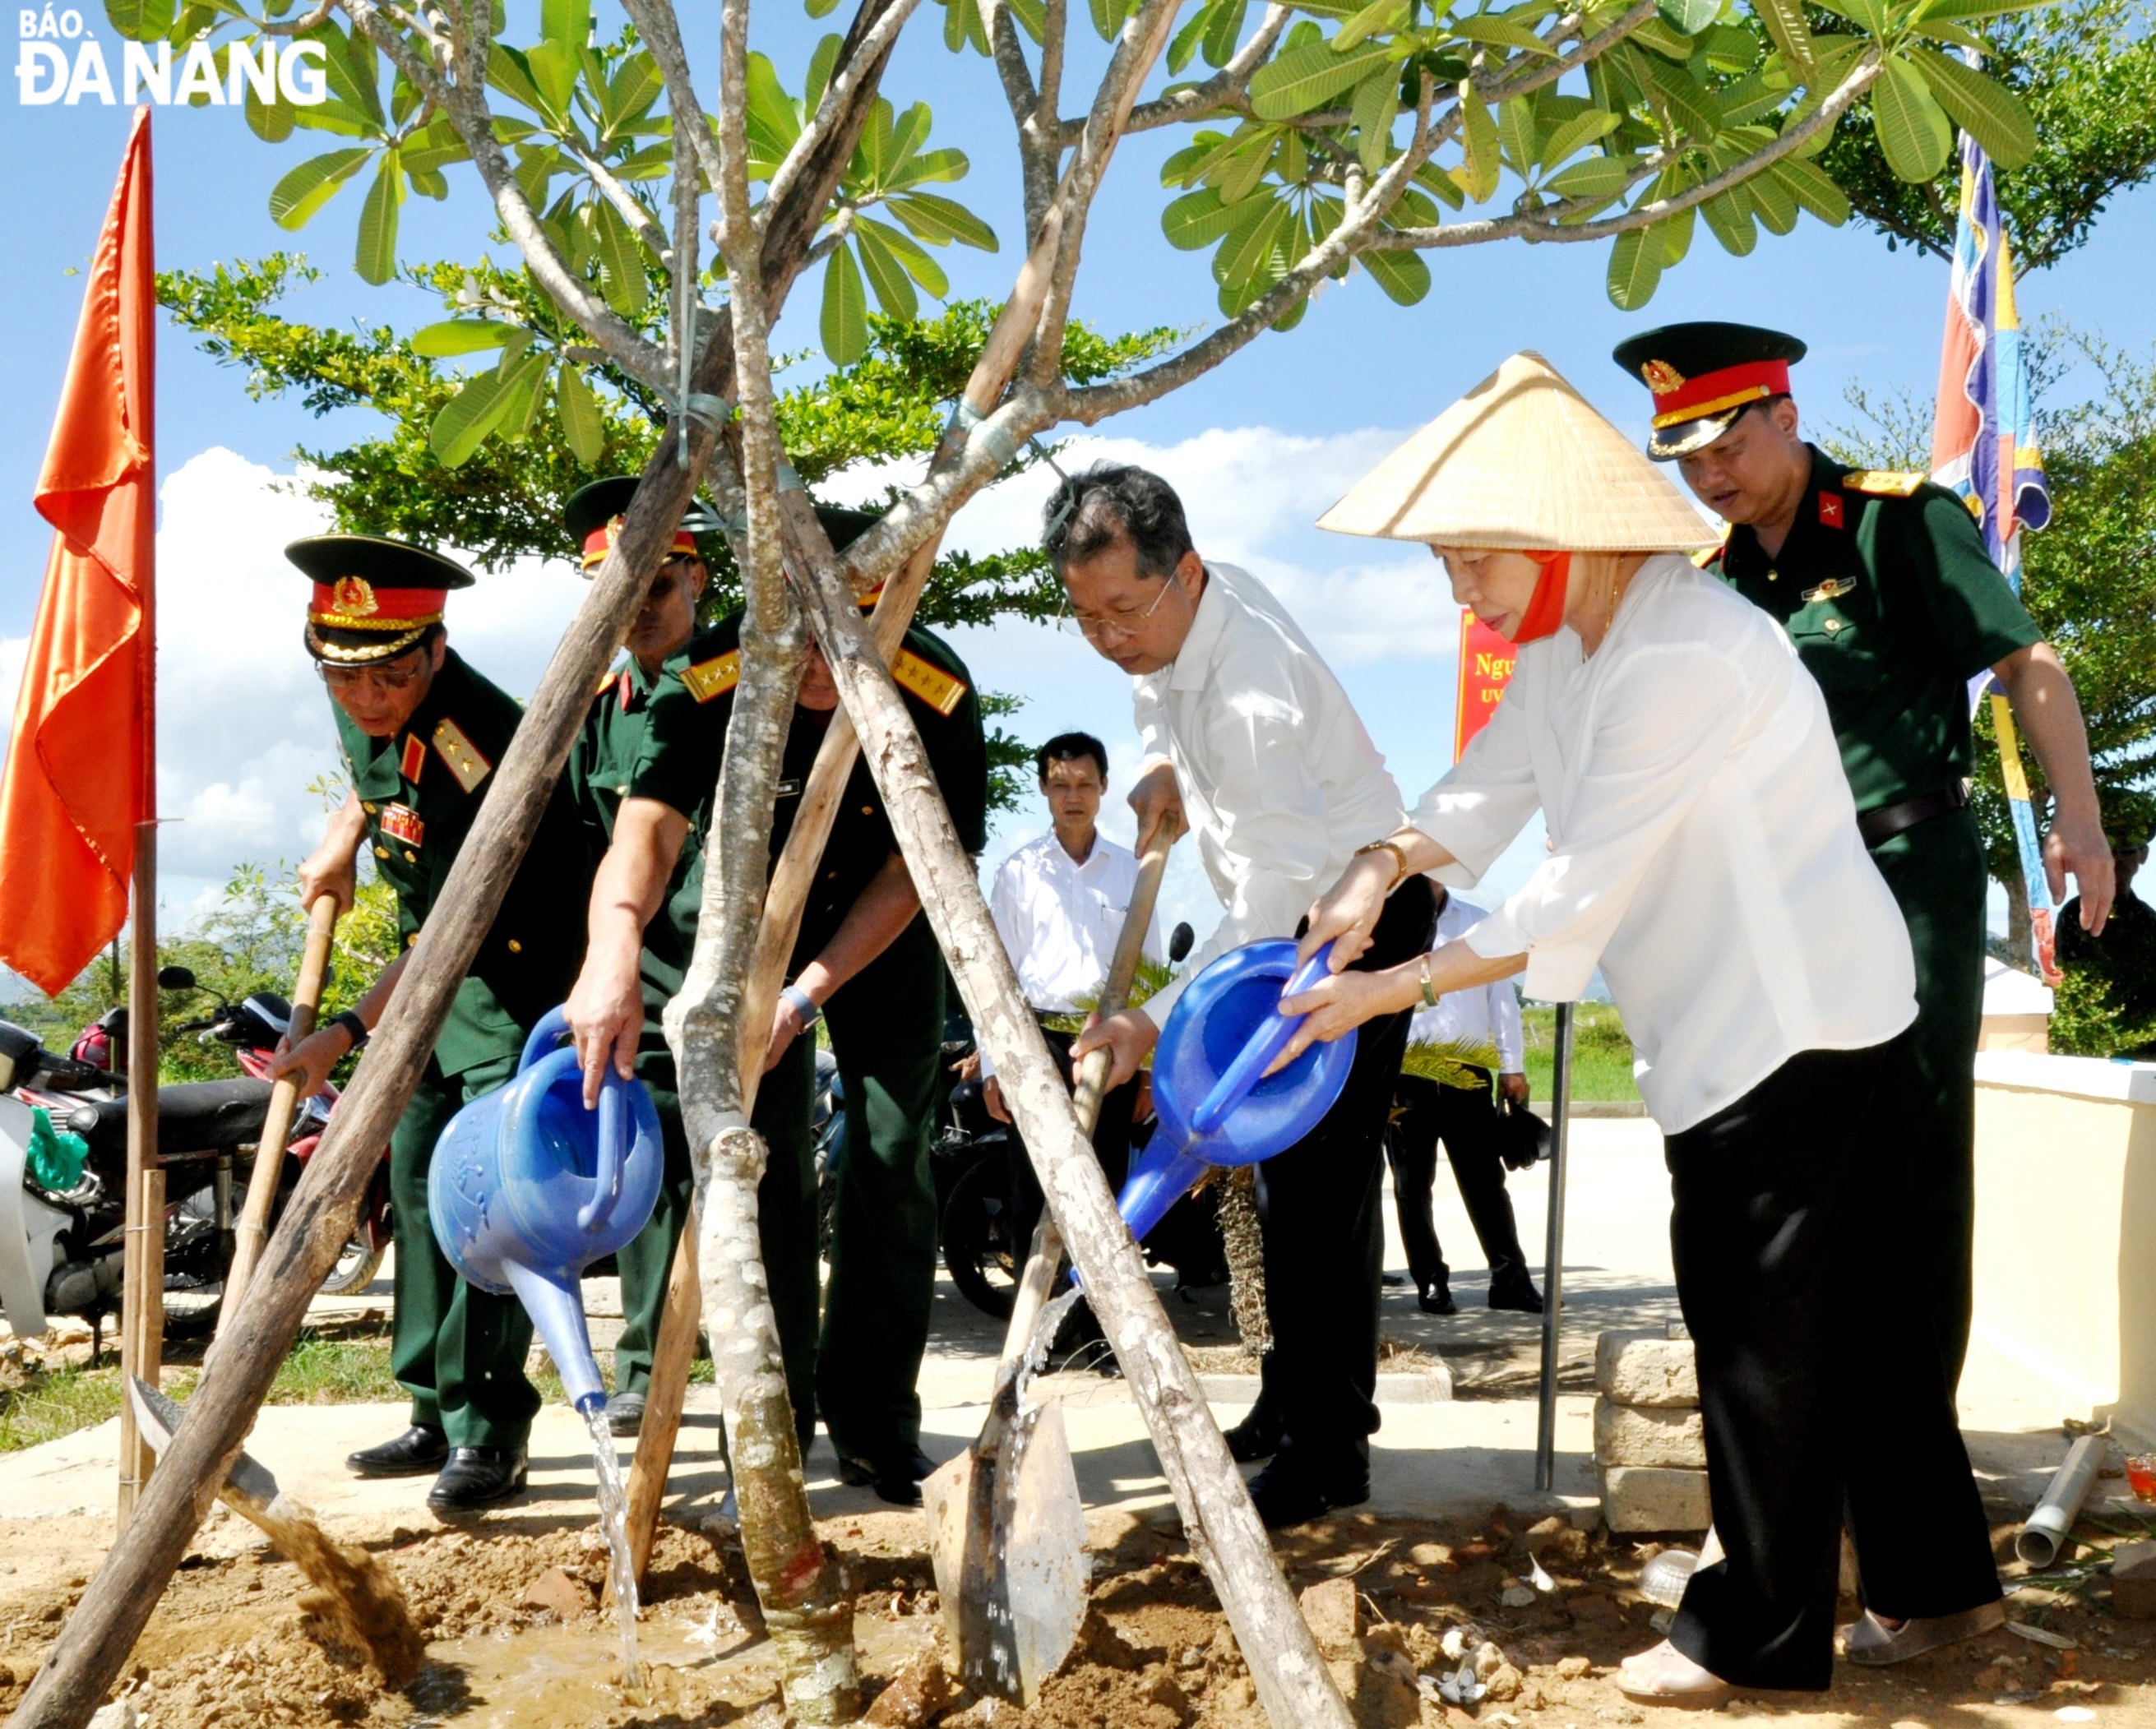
<point>1111,1147</point>
<point>1324,1235</point>
<point>1467,1123</point>
<point>1819,1382</point>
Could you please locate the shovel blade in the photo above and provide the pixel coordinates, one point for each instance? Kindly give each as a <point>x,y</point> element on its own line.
<point>248,1489</point>
<point>1038,1568</point>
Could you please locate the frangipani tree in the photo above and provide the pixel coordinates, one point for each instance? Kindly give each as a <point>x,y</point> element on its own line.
<point>1323,138</point>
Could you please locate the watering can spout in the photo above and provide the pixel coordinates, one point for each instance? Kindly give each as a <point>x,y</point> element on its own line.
<point>557,1307</point>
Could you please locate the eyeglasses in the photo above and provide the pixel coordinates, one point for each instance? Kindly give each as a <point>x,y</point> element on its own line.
<point>386,678</point>
<point>1121,628</point>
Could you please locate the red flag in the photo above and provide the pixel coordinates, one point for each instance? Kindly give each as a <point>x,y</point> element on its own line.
<point>81,762</point>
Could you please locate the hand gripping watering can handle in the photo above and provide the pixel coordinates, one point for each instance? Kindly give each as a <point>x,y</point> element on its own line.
<point>615,1128</point>
<point>1267,1042</point>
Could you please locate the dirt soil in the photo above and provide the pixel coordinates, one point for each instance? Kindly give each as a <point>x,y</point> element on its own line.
<point>233,1641</point>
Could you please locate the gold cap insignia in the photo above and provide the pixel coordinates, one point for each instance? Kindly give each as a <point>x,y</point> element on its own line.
<point>614,531</point>
<point>355,595</point>
<point>1662,378</point>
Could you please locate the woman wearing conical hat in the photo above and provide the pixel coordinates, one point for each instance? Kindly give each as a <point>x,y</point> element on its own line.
<point>1703,852</point>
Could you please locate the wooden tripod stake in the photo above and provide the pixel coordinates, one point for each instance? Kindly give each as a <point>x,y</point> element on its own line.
<point>284,1101</point>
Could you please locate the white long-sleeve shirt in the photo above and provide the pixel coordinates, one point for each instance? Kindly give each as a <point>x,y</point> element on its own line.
<point>1703,845</point>
<point>1060,920</point>
<point>1279,779</point>
<point>1489,1014</point>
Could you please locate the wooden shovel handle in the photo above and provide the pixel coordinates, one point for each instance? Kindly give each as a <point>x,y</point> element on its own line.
<point>1046,1253</point>
<point>254,1227</point>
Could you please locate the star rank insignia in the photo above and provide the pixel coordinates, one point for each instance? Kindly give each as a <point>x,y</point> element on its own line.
<point>1830,509</point>
<point>464,762</point>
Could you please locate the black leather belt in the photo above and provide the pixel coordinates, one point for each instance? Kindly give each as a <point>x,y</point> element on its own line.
<point>1882,825</point>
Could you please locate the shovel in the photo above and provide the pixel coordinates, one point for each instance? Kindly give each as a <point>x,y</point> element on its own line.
<point>1007,1529</point>
<point>359,1595</point>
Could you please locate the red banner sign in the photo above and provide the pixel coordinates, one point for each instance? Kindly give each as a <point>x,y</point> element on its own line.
<point>1486,667</point>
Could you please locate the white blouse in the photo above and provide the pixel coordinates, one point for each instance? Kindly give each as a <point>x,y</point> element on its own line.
<point>1703,846</point>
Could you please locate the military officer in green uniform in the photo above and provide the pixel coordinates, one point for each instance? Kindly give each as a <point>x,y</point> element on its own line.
<point>600,765</point>
<point>866,963</point>
<point>1882,582</point>
<point>421,733</point>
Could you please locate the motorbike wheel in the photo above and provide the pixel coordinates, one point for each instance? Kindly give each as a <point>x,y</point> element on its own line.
<point>357,1263</point>
<point>984,1262</point>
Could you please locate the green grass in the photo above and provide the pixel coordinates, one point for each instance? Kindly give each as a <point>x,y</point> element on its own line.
<point>1602,1055</point>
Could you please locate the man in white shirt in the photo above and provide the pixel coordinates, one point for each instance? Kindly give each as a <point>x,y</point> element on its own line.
<point>1427,1111</point>
<point>1253,747</point>
<point>1058,903</point>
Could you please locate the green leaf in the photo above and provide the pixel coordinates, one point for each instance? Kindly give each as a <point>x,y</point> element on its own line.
<point>940,220</point>
<point>1300,79</point>
<point>1675,231</point>
<point>821,8</point>
<point>1108,16</point>
<point>1772,203</point>
<point>1379,15</point>
<point>845,320</point>
<point>821,64</point>
<point>918,264</point>
<point>1692,107</point>
<point>1636,268</point>
<point>553,69</point>
<point>963,24</point>
<point>140,20</point>
<point>930,165</point>
<point>1576,133</point>
<point>1592,177</point>
<point>1521,136</point>
<point>376,259</point>
<point>622,278</point>
<point>1688,18</point>
<point>350,71</point>
<point>1964,10</point>
<point>1477,173</point>
<point>1871,14</point>
<point>1914,135</point>
<point>1728,217</point>
<point>1182,47</point>
<point>1490,30</point>
<point>1243,255</point>
<point>634,88</point>
<point>1246,166</point>
<point>1404,276</point>
<point>1784,20</point>
<point>1198,219</point>
<point>1812,188</point>
<point>1224,30</point>
<point>466,418</point>
<point>887,276</point>
<point>567,22</point>
<point>517,405</point>
<point>295,198</point>
<point>1377,101</point>
<point>271,122</point>
<point>1986,110</point>
<point>583,425</point>
<point>508,72</point>
<point>459,335</point>
<point>435,145</point>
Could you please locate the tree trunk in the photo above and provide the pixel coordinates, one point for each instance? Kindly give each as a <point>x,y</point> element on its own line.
<point>1221,1523</point>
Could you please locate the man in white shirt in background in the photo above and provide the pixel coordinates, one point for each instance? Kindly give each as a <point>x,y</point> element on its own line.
<point>1252,746</point>
<point>1470,1125</point>
<point>1058,904</point>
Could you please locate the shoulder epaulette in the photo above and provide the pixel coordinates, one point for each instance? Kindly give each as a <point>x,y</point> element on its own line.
<point>465,762</point>
<point>934,686</point>
<point>605,683</point>
<point>708,679</point>
<point>1884,483</point>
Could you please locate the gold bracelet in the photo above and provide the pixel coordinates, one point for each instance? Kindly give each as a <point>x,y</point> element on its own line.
<point>1428,990</point>
<point>1400,860</point>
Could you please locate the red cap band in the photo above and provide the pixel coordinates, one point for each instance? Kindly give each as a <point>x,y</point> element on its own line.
<point>1678,399</point>
<point>600,541</point>
<point>354,603</point>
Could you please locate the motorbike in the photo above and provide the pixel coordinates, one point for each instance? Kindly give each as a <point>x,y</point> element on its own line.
<point>61,1248</point>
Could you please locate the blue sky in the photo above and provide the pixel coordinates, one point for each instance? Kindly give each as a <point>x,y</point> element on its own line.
<point>1260,446</point>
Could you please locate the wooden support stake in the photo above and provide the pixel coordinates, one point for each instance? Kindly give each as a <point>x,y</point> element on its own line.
<point>1223,1526</point>
<point>143,1268</point>
<point>283,1101</point>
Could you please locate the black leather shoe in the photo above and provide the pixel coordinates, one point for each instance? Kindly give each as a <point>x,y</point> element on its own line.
<point>1256,1437</point>
<point>1517,1294</point>
<point>1287,1493</point>
<point>896,1480</point>
<point>478,1477</point>
<point>1436,1299</point>
<point>624,1413</point>
<point>414,1453</point>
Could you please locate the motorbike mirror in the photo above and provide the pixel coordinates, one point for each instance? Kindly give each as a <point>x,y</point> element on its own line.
<point>1180,942</point>
<point>175,978</point>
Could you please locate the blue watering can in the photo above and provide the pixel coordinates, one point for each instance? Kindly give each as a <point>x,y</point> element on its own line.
<point>528,1188</point>
<point>1216,1104</point>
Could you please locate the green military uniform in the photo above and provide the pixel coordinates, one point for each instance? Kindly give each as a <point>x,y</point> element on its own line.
<point>597,776</point>
<point>458,1350</point>
<point>885,1027</point>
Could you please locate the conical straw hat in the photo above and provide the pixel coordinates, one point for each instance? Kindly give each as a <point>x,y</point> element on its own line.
<point>1522,463</point>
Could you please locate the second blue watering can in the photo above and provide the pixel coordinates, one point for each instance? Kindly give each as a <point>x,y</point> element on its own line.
<point>1216,1104</point>
<point>528,1188</point>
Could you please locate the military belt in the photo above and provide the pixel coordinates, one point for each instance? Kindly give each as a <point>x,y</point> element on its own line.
<point>1880,826</point>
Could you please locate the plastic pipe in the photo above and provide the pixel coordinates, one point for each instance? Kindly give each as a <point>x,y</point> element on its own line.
<point>2046,1533</point>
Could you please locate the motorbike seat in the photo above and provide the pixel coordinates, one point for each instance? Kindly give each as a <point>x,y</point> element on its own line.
<point>195,1116</point>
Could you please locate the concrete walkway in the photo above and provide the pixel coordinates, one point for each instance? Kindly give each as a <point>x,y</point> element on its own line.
<point>1431,1459</point>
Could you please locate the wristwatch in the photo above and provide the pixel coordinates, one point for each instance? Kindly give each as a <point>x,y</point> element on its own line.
<point>1400,860</point>
<point>355,1028</point>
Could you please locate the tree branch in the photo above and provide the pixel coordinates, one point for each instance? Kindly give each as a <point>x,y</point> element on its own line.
<point>655,24</point>
<point>633,213</point>
<point>1227,88</point>
<point>864,69</point>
